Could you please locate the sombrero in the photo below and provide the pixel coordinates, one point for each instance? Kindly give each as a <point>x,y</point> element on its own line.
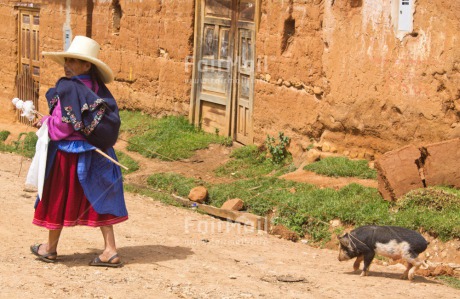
<point>87,49</point>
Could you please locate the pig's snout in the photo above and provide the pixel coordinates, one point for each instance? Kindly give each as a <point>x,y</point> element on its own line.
<point>343,256</point>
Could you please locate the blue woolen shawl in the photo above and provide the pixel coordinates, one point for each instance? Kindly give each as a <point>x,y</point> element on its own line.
<point>100,178</point>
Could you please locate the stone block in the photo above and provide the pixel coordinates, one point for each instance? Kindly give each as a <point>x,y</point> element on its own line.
<point>398,173</point>
<point>234,204</point>
<point>198,194</point>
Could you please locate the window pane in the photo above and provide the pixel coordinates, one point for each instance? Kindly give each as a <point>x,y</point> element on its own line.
<point>209,45</point>
<point>247,10</point>
<point>223,53</point>
<point>219,8</point>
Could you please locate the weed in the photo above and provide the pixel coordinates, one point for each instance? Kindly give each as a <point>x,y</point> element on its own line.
<point>278,148</point>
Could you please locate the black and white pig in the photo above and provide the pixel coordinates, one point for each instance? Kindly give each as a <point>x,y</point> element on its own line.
<point>390,241</point>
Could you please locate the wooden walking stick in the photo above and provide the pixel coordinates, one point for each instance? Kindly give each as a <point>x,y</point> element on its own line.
<point>110,158</point>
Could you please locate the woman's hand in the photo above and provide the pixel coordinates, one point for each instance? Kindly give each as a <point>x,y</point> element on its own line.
<point>37,123</point>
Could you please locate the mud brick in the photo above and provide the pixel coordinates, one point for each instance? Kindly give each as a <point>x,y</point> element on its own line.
<point>398,173</point>
<point>442,165</point>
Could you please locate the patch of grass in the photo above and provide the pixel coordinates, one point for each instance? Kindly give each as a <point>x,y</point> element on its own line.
<point>24,145</point>
<point>3,146</point>
<point>173,183</point>
<point>127,161</point>
<point>135,122</point>
<point>260,195</point>
<point>433,198</point>
<point>248,162</point>
<point>4,135</point>
<point>169,138</point>
<point>342,167</point>
<point>308,210</point>
<point>160,196</point>
<point>434,209</point>
<point>450,281</point>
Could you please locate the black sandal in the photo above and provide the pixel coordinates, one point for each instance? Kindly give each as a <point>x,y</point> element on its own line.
<point>98,263</point>
<point>43,257</point>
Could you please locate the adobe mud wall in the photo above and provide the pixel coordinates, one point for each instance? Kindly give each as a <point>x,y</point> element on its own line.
<point>347,79</point>
<point>334,73</point>
<point>149,52</point>
<point>146,43</point>
<point>8,38</point>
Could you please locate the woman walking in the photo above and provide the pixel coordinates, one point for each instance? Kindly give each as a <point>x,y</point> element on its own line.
<point>81,186</point>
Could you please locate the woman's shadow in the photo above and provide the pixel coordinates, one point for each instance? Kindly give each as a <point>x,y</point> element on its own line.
<point>144,254</point>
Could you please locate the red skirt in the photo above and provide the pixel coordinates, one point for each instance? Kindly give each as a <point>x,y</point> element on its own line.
<point>63,201</point>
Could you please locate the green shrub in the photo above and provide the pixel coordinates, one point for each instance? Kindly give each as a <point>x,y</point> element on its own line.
<point>278,148</point>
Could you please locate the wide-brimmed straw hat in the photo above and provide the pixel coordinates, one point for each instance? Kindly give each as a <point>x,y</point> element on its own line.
<point>86,49</point>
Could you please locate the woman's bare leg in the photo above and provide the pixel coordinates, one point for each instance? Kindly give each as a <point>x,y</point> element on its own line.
<point>110,249</point>
<point>53,240</point>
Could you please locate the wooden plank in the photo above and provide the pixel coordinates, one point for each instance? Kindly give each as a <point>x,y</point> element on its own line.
<point>212,117</point>
<point>213,99</point>
<point>236,216</point>
<point>245,218</point>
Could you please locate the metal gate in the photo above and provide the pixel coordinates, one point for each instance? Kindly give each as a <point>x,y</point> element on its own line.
<point>27,90</point>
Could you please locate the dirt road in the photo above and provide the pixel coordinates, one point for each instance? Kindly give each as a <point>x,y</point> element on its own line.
<point>177,253</point>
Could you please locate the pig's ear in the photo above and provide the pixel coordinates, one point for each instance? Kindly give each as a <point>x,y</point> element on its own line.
<point>344,240</point>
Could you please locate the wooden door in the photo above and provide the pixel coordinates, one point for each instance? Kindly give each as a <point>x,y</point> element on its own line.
<point>214,67</point>
<point>29,23</point>
<point>28,76</point>
<point>224,55</point>
<point>244,68</point>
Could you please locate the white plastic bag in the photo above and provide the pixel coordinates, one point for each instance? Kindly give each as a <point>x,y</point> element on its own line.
<point>36,174</point>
